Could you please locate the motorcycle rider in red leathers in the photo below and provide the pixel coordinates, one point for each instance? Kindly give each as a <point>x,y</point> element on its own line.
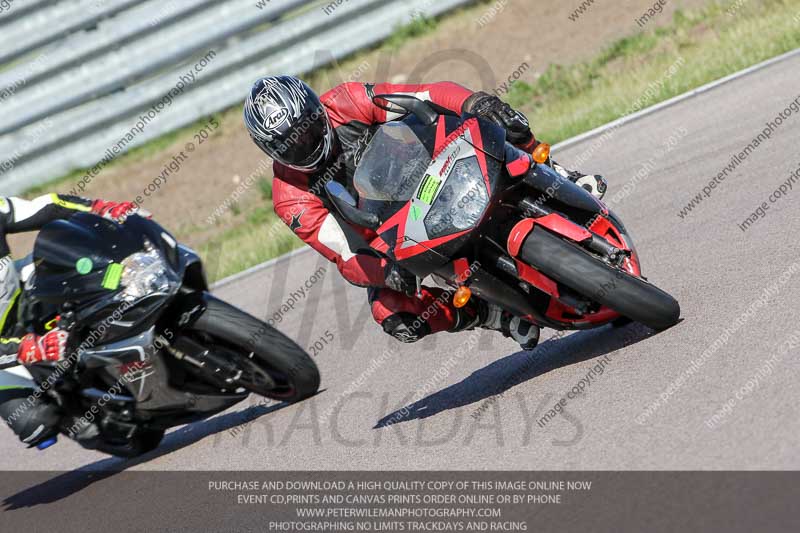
<point>315,139</point>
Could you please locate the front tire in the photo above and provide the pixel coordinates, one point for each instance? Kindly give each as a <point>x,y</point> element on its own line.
<point>571,265</point>
<point>261,348</point>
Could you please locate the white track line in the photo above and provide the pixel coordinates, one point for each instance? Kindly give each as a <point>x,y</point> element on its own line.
<point>260,267</point>
<point>677,99</point>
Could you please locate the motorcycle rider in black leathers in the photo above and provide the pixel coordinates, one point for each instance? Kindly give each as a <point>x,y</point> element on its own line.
<point>31,416</point>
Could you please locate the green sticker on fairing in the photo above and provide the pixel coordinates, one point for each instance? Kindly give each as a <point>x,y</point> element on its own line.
<point>112,277</point>
<point>416,212</point>
<point>429,188</point>
<point>84,265</point>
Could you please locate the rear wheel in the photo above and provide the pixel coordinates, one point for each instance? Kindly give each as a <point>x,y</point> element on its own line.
<point>268,362</point>
<point>576,268</point>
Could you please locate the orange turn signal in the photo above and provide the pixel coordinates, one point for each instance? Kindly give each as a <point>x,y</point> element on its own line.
<point>462,296</point>
<point>541,153</point>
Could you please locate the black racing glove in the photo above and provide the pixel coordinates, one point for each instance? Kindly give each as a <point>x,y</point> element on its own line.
<point>399,279</point>
<point>493,108</point>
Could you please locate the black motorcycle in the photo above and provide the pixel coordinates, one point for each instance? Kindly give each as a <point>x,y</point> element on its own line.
<point>149,347</point>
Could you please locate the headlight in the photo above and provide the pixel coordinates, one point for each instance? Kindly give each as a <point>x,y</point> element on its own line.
<point>461,203</point>
<point>143,273</point>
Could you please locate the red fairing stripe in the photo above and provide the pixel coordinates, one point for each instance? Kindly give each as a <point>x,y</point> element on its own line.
<point>379,244</point>
<point>603,227</point>
<point>519,167</point>
<point>556,311</point>
<point>518,234</point>
<point>441,138</point>
<point>405,253</point>
<point>441,145</point>
<point>537,279</point>
<point>475,129</point>
<point>399,219</point>
<point>461,268</point>
<point>564,227</point>
<point>553,222</point>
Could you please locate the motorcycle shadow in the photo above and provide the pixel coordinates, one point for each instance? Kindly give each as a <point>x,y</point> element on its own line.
<point>520,367</point>
<point>70,483</point>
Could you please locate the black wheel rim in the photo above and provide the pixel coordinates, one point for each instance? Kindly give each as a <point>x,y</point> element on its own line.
<point>259,380</point>
<point>253,371</point>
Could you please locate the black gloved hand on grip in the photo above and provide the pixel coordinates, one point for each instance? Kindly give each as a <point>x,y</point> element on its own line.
<point>493,108</point>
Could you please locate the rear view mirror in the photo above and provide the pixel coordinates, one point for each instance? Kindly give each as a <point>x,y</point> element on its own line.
<point>346,205</point>
<point>337,190</point>
<point>408,104</point>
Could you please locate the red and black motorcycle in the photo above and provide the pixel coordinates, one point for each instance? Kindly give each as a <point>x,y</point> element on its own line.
<point>447,196</point>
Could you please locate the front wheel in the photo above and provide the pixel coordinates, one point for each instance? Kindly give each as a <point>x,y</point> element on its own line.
<point>269,363</point>
<point>574,267</point>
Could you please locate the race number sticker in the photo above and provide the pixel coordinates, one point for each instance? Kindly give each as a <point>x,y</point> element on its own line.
<point>428,189</point>
<point>112,276</point>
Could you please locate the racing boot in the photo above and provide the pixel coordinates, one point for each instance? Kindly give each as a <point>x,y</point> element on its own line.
<point>522,331</point>
<point>481,314</point>
<point>32,418</point>
<point>596,185</point>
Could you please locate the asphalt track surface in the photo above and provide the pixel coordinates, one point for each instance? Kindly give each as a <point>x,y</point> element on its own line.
<point>713,268</point>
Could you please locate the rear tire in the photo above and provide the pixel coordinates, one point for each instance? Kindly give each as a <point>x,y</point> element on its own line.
<point>571,265</point>
<point>271,350</point>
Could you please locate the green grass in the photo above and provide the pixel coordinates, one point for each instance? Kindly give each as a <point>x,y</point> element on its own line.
<point>265,186</point>
<point>262,237</point>
<point>421,25</point>
<point>567,100</point>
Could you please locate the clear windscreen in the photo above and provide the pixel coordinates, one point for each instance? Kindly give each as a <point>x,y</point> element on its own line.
<point>392,165</point>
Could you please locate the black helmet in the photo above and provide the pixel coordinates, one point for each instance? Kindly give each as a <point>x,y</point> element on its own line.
<point>286,119</point>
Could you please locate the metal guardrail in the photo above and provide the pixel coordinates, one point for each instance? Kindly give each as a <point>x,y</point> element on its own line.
<point>86,93</point>
<point>147,17</point>
<point>104,111</point>
<point>114,70</point>
<point>14,10</point>
<point>49,23</point>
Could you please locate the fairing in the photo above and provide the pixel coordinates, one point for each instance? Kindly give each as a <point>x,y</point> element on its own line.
<point>577,202</point>
<point>430,211</point>
<point>79,262</point>
<point>430,205</point>
<point>72,256</point>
